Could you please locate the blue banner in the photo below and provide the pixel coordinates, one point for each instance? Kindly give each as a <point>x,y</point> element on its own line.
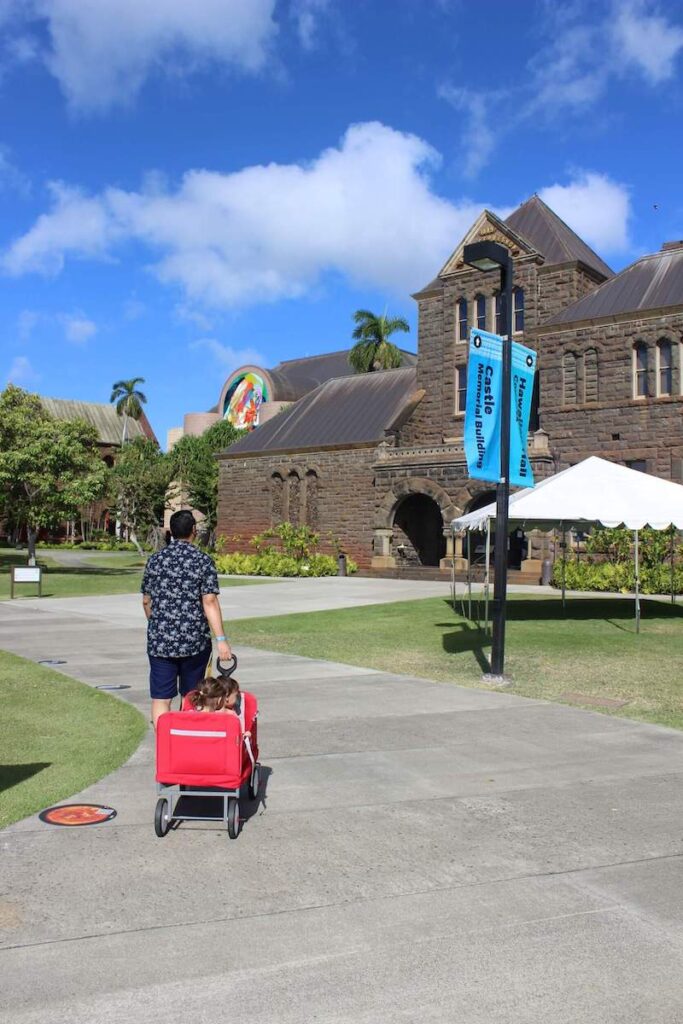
<point>523,371</point>
<point>482,412</point>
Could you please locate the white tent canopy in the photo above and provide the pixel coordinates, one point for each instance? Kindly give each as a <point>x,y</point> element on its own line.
<point>594,492</point>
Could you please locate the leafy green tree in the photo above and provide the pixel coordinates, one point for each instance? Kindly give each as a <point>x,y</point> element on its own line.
<point>373,350</point>
<point>139,481</point>
<point>129,401</point>
<point>195,467</point>
<point>49,468</point>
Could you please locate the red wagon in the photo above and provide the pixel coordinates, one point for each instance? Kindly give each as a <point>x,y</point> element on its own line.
<point>212,753</point>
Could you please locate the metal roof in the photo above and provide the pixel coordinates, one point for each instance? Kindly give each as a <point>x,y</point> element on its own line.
<point>294,378</point>
<point>104,418</point>
<point>343,411</point>
<point>554,239</point>
<point>652,282</point>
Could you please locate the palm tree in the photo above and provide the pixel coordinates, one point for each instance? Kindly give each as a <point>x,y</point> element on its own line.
<point>373,350</point>
<point>129,401</point>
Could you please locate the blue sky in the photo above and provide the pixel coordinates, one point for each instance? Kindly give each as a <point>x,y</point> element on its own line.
<point>188,186</point>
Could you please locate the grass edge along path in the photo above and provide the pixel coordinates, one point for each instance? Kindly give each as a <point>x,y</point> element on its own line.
<point>589,654</point>
<point>57,736</point>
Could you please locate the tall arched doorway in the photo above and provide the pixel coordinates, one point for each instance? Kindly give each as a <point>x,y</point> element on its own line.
<point>418,530</point>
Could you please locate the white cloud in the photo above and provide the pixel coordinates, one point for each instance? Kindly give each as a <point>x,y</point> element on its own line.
<point>584,53</point>
<point>21,372</point>
<point>102,51</point>
<point>645,39</point>
<point>11,178</point>
<point>364,209</point>
<point>76,224</point>
<point>226,355</point>
<point>478,138</point>
<point>596,207</point>
<point>306,15</point>
<point>77,327</point>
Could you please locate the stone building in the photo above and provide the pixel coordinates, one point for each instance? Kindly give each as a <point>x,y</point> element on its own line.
<point>378,460</point>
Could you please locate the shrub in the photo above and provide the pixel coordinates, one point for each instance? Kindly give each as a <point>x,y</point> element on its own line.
<point>617,577</point>
<point>284,550</point>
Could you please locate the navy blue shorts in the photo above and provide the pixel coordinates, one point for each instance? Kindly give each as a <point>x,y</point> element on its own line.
<point>170,676</point>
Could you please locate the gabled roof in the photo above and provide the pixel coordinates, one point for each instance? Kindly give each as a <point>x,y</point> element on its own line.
<point>103,417</point>
<point>533,229</point>
<point>342,412</point>
<point>294,378</point>
<point>549,234</point>
<point>652,282</point>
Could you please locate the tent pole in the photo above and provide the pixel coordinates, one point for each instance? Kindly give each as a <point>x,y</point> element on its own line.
<point>469,588</point>
<point>486,577</point>
<point>453,569</point>
<point>637,583</point>
<point>673,595</point>
<point>564,570</point>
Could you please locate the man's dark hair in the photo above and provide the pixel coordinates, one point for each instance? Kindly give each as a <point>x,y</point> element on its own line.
<point>182,524</point>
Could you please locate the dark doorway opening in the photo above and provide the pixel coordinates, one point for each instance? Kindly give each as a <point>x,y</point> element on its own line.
<point>418,529</point>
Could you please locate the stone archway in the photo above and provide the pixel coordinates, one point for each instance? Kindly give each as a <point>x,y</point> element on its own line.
<point>419,531</point>
<point>438,503</point>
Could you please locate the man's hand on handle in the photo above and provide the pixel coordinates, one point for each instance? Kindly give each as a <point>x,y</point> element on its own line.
<point>223,650</point>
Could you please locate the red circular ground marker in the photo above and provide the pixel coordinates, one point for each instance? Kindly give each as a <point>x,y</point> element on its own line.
<point>73,815</point>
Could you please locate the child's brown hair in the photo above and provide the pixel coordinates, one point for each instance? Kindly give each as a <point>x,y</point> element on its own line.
<point>212,694</point>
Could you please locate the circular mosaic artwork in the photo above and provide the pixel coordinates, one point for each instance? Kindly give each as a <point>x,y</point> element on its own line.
<point>73,815</point>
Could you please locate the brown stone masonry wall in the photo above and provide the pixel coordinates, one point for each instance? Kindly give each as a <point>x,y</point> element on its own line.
<point>332,490</point>
<point>614,425</point>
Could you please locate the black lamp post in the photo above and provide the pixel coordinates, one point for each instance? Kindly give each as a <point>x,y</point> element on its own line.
<point>493,256</point>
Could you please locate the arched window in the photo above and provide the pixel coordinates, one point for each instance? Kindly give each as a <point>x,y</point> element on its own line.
<point>312,498</point>
<point>640,367</point>
<point>480,311</point>
<point>518,309</point>
<point>461,326</point>
<point>569,378</point>
<point>590,376</point>
<point>460,388</point>
<point>294,498</point>
<point>277,487</point>
<point>664,367</point>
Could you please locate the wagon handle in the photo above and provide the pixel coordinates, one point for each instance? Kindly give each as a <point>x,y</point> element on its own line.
<point>226,672</point>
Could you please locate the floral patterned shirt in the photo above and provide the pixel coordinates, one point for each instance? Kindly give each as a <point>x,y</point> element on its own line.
<point>176,579</point>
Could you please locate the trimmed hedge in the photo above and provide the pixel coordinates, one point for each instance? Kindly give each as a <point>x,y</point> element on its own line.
<point>617,577</point>
<point>274,563</point>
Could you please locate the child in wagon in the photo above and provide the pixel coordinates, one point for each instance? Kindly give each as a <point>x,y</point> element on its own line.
<point>222,695</point>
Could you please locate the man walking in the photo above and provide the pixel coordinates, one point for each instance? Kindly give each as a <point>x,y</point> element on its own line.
<point>180,599</point>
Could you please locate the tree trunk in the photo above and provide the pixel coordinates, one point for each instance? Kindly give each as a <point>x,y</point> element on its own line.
<point>134,539</point>
<point>32,536</point>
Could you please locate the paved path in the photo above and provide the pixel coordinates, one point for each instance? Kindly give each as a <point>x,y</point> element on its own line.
<point>423,853</point>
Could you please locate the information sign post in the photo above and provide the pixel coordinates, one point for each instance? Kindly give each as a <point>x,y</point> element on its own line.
<point>27,574</point>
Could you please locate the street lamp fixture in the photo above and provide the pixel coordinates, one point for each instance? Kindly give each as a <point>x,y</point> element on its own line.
<point>487,256</point>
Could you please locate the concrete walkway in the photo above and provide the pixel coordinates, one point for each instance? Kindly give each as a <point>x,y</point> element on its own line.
<point>422,853</point>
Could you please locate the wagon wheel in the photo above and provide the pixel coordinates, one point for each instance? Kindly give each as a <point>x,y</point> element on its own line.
<point>162,820</point>
<point>233,817</point>
<point>255,782</point>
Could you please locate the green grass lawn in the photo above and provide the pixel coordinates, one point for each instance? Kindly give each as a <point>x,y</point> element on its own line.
<point>57,736</point>
<point>104,574</point>
<point>591,650</point>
